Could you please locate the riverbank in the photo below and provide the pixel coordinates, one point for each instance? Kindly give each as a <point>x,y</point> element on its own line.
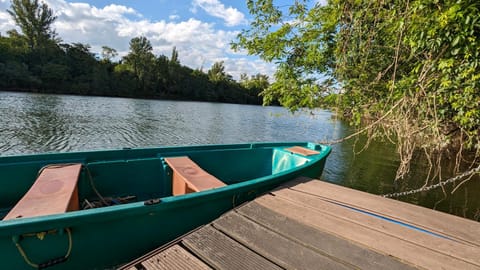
<point>242,98</point>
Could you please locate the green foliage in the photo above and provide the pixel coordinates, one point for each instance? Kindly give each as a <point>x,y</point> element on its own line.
<point>255,82</point>
<point>174,58</point>
<point>140,60</point>
<point>34,20</point>
<point>217,73</point>
<point>416,62</point>
<point>294,38</point>
<point>255,85</point>
<point>449,52</point>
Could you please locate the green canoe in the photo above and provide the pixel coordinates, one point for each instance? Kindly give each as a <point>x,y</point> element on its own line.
<point>99,209</point>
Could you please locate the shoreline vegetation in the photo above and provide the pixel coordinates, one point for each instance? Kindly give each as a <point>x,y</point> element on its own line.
<point>36,60</point>
<point>73,69</point>
<point>410,67</point>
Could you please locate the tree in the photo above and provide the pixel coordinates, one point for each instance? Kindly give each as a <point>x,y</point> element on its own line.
<point>108,53</point>
<point>81,65</point>
<point>174,58</point>
<point>140,59</point>
<point>217,73</point>
<point>255,86</point>
<point>410,66</point>
<point>13,46</point>
<point>34,20</point>
<point>162,74</point>
<point>258,81</point>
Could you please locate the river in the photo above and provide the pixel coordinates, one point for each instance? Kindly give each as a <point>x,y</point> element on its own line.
<point>35,123</point>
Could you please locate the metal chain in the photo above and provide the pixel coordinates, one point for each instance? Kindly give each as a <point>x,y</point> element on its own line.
<point>427,188</point>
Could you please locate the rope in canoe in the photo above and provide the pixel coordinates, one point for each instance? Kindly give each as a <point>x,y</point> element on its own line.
<point>50,262</point>
<point>434,186</point>
<point>90,179</point>
<point>54,166</point>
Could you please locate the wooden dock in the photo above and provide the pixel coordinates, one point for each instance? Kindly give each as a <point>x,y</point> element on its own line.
<point>310,224</point>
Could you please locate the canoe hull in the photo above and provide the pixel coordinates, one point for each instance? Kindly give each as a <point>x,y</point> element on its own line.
<point>107,237</point>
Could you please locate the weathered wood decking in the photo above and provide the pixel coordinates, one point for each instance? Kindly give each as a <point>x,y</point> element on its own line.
<point>310,224</point>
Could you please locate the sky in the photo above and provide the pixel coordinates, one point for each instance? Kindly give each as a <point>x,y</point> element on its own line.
<point>201,30</point>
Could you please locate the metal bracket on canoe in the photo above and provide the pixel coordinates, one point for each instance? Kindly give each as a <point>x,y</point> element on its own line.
<point>17,239</point>
<point>152,201</point>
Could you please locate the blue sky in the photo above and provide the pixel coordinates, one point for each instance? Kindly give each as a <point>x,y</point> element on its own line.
<point>201,30</point>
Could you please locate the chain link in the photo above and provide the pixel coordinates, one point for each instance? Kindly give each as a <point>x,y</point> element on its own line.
<point>434,186</point>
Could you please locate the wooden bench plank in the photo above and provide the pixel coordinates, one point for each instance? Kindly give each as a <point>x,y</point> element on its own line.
<point>221,252</point>
<point>54,192</point>
<point>284,252</point>
<point>302,151</point>
<point>448,247</point>
<point>189,177</point>
<point>335,247</point>
<point>458,228</point>
<point>174,258</point>
<point>377,241</point>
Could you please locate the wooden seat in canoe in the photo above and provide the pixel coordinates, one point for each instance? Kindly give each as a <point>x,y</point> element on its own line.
<point>302,151</point>
<point>54,192</point>
<point>188,177</point>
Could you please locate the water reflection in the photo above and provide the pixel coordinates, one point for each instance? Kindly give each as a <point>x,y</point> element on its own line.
<point>374,170</point>
<point>38,125</point>
<point>33,123</point>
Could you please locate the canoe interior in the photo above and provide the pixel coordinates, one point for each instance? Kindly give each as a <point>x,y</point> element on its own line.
<point>142,172</point>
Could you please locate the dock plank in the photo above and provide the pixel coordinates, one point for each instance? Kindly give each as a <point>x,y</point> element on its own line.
<point>382,243</point>
<point>428,240</point>
<point>309,224</point>
<point>286,253</point>
<point>452,226</point>
<point>174,258</point>
<point>222,252</point>
<point>323,242</point>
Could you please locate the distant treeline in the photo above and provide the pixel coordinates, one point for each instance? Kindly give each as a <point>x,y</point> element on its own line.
<point>36,60</point>
<point>74,69</point>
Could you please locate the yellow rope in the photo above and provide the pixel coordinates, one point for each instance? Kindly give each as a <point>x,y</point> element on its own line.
<point>54,166</point>
<point>70,243</point>
<point>34,265</point>
<point>90,178</point>
<point>24,255</point>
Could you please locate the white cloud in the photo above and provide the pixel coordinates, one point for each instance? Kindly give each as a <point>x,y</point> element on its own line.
<point>199,43</point>
<point>174,17</point>
<point>81,22</point>
<point>230,15</point>
<point>6,21</point>
<point>237,66</point>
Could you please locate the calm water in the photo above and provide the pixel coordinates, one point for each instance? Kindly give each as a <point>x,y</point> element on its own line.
<point>33,123</point>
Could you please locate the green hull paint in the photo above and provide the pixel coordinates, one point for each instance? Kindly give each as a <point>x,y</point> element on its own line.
<point>109,236</point>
